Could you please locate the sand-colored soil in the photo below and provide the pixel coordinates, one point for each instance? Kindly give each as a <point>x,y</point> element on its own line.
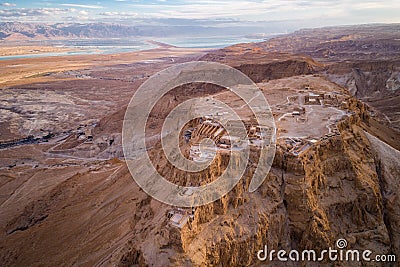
<point>72,201</point>
<point>23,50</point>
<point>28,70</point>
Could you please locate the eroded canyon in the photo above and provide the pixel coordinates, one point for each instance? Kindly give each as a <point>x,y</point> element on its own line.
<point>67,197</point>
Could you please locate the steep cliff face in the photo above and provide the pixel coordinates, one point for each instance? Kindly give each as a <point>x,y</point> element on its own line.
<point>376,83</point>
<point>388,170</point>
<point>333,190</point>
<point>278,70</point>
<point>261,66</point>
<point>367,79</point>
<point>338,188</point>
<point>342,192</point>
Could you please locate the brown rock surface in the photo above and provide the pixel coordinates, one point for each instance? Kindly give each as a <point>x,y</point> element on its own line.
<point>71,200</point>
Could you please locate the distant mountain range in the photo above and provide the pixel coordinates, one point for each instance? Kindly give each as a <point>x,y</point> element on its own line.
<point>14,31</point>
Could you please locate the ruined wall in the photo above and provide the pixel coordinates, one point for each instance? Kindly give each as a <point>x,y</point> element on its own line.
<point>331,191</point>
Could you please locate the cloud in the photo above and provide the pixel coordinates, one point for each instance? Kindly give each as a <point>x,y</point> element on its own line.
<point>32,12</point>
<point>8,4</point>
<point>370,5</point>
<point>83,6</point>
<point>203,9</point>
<point>44,14</point>
<point>257,10</point>
<point>119,14</point>
<point>317,11</point>
<point>83,13</point>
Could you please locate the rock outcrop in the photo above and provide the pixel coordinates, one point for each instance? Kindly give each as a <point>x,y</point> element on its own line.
<point>335,189</point>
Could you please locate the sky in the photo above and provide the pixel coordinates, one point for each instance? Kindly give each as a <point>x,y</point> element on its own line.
<point>307,13</point>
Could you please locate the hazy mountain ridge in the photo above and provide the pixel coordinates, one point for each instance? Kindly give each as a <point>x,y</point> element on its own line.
<point>112,30</point>
<point>340,43</point>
